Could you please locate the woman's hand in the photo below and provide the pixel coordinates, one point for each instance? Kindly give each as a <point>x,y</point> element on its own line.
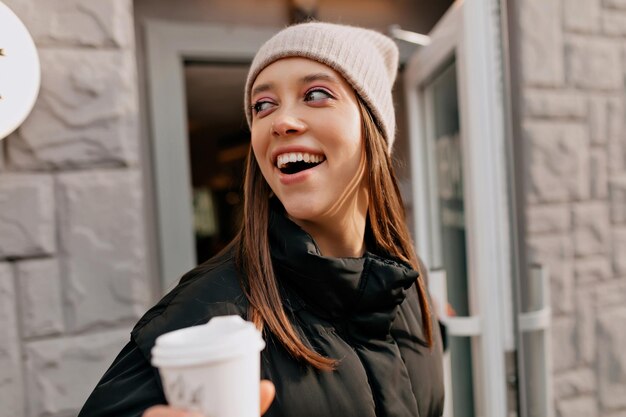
<point>268,391</point>
<point>267,396</point>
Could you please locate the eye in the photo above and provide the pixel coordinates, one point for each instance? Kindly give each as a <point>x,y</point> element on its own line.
<point>317,94</point>
<point>261,105</point>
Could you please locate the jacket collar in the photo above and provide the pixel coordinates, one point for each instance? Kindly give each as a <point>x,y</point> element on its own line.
<point>336,288</point>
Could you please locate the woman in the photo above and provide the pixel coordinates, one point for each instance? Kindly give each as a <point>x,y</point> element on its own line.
<point>323,262</point>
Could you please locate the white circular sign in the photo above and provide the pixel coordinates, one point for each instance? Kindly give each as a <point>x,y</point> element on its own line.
<point>19,72</point>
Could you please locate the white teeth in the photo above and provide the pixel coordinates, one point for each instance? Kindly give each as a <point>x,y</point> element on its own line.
<point>286,158</point>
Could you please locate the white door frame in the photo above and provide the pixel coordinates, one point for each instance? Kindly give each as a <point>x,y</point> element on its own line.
<point>469,33</point>
<point>168,44</point>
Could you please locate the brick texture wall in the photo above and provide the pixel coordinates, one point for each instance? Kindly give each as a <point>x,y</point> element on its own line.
<point>72,238</point>
<point>573,57</point>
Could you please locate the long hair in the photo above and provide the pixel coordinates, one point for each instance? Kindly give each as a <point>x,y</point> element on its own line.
<point>388,231</point>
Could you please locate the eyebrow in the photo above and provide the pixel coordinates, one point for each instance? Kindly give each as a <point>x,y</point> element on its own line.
<point>261,88</point>
<point>319,76</point>
<point>304,80</point>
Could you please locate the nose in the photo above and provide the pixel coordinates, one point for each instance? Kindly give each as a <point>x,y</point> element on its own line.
<point>286,124</point>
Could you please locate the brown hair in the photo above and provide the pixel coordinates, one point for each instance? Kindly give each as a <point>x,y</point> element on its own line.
<point>387,228</point>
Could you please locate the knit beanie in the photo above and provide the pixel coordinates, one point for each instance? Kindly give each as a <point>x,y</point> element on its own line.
<point>367,59</point>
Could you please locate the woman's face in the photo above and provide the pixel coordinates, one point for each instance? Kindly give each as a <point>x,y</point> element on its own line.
<point>307,139</point>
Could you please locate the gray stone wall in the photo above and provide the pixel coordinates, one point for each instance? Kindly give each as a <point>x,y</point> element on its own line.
<point>573,68</point>
<point>73,255</point>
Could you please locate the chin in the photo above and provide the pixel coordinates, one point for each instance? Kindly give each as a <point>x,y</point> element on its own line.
<point>301,210</point>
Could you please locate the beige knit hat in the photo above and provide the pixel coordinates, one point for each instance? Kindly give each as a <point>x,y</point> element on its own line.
<point>368,60</point>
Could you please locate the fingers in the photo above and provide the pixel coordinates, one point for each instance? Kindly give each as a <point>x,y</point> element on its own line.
<point>164,411</point>
<point>450,310</point>
<point>268,391</point>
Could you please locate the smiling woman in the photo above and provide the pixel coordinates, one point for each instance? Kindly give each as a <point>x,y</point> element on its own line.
<point>323,262</point>
<point>308,109</point>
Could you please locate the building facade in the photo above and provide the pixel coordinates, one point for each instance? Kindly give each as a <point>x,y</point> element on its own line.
<point>572,68</point>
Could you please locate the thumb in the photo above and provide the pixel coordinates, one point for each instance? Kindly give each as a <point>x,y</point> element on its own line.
<point>268,392</point>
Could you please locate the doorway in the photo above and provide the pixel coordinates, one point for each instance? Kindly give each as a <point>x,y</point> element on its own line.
<point>218,144</point>
<point>191,68</point>
<point>452,88</point>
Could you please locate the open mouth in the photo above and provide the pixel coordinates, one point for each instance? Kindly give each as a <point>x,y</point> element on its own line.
<point>294,162</point>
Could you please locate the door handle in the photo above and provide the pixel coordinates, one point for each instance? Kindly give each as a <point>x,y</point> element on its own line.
<point>460,326</point>
<point>536,348</point>
<point>535,320</point>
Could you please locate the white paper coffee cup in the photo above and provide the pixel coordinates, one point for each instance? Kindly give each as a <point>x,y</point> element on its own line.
<point>212,368</point>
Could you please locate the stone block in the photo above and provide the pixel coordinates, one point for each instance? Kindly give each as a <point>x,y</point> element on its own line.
<point>610,294</point>
<point>573,383</point>
<point>554,104</point>
<point>27,224</point>
<point>41,308</point>
<point>557,162</point>
<point>618,252</point>
<point>85,116</point>
<point>554,218</point>
<point>61,373</point>
<point>592,270</point>
<point>606,119</point>
<point>77,22</point>
<point>556,253</point>
<point>563,333</point>
<point>593,64</point>
<point>591,228</point>
<point>616,118</point>
<point>614,23</point>
<point>617,157</point>
<point>585,326</point>
<point>598,121</point>
<point>102,235</point>
<point>541,43</point>
<point>599,174</point>
<point>614,4</point>
<point>11,385</point>
<point>616,133</point>
<point>578,407</point>
<point>581,15</point>
<point>621,413</point>
<point>617,198</point>
<point>612,358</point>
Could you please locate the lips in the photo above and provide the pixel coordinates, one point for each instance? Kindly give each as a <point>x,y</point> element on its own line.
<point>294,162</point>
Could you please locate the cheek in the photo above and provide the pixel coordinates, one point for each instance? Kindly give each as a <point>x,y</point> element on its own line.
<point>353,129</point>
<point>353,146</point>
<point>353,138</point>
<point>343,131</point>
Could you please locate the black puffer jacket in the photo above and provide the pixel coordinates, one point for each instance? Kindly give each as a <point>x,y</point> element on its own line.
<point>362,311</point>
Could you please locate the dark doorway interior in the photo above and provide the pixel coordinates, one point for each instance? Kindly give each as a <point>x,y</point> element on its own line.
<point>218,144</point>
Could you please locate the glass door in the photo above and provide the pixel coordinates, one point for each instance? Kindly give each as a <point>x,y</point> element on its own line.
<point>447,233</point>
<point>460,205</point>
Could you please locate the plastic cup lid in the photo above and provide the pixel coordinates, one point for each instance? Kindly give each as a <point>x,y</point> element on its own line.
<point>222,338</point>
